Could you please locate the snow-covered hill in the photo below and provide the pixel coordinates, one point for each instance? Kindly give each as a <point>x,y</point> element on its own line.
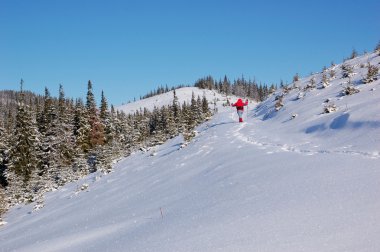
<point>183,94</point>
<point>311,183</point>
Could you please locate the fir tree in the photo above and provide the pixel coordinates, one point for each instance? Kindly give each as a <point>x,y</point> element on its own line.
<point>3,203</point>
<point>205,108</point>
<point>96,136</point>
<point>23,160</point>
<point>4,153</point>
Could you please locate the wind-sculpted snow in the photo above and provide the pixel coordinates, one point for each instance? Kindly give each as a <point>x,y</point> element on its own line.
<point>309,182</point>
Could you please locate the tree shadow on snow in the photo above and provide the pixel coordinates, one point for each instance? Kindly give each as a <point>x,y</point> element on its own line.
<point>341,122</point>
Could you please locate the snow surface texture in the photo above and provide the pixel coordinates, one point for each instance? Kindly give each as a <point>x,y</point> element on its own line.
<point>276,182</point>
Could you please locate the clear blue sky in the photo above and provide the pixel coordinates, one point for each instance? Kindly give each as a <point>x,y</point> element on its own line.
<point>128,48</point>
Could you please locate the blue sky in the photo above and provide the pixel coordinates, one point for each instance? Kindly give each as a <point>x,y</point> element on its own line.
<point>128,48</point>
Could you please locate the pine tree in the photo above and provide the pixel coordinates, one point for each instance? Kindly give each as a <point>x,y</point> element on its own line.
<point>4,153</point>
<point>377,48</point>
<point>3,203</point>
<point>81,127</point>
<point>65,134</point>
<point>23,160</point>
<point>106,121</point>
<point>188,122</point>
<point>176,109</point>
<point>96,128</point>
<point>354,54</point>
<point>50,142</point>
<point>205,109</point>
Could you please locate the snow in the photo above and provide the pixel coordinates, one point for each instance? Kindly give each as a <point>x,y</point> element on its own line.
<point>183,94</point>
<point>272,183</point>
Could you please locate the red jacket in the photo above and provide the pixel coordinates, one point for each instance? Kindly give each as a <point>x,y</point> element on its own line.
<point>240,104</point>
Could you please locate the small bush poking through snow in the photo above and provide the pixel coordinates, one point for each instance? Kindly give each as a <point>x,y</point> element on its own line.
<point>325,82</point>
<point>347,70</point>
<point>329,108</point>
<point>371,74</point>
<point>300,95</point>
<point>350,90</point>
<point>84,187</point>
<point>279,104</point>
<point>310,85</point>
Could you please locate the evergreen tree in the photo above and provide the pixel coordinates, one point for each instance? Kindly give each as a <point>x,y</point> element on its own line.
<point>3,203</point>
<point>65,134</point>
<point>176,110</point>
<point>96,128</point>
<point>4,152</point>
<point>106,120</point>
<point>23,158</point>
<point>50,141</point>
<point>205,108</point>
<point>81,127</point>
<point>354,54</point>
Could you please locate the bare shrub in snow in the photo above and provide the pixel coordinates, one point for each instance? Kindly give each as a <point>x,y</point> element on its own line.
<point>279,104</point>
<point>371,74</point>
<point>350,90</point>
<point>329,108</point>
<point>300,95</point>
<point>332,74</point>
<point>310,85</point>
<point>348,70</point>
<point>377,48</point>
<point>325,82</point>
<point>354,54</point>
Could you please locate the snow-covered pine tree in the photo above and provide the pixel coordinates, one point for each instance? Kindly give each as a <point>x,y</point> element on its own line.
<point>82,127</point>
<point>96,128</point>
<point>105,118</point>
<point>205,109</point>
<point>65,133</point>
<point>172,128</point>
<point>176,107</point>
<point>23,156</point>
<point>198,111</point>
<point>82,136</point>
<point>194,111</point>
<point>3,203</point>
<point>4,153</point>
<point>188,122</point>
<point>49,143</point>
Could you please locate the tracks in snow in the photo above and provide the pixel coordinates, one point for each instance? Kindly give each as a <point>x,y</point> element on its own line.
<point>305,148</point>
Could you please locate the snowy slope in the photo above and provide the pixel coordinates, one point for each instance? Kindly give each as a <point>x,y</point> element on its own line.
<point>183,94</point>
<point>269,184</point>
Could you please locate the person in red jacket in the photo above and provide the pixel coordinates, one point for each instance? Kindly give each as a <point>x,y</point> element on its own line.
<point>240,108</point>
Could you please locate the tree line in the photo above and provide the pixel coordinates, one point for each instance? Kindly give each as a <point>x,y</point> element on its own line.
<point>239,87</point>
<point>46,142</point>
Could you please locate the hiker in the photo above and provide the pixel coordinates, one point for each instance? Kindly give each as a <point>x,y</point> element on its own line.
<point>240,108</point>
